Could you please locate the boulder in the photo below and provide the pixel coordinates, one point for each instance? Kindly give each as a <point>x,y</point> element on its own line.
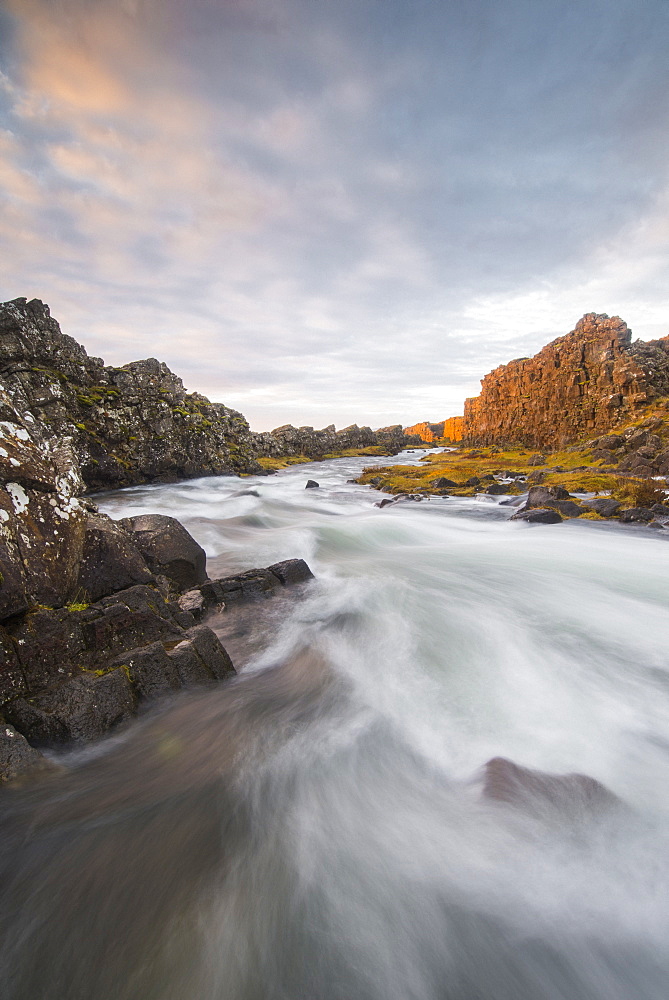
<point>291,571</point>
<point>604,506</point>
<point>497,489</point>
<point>168,549</point>
<point>311,484</point>
<point>81,709</point>
<point>537,459</point>
<point>110,561</point>
<point>545,496</point>
<point>537,516</point>
<point>442,483</point>
<point>637,515</point>
<point>568,508</point>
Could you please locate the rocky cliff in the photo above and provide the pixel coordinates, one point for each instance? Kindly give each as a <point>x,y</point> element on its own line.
<point>290,441</point>
<point>450,429</point>
<point>581,384</point>
<point>108,427</point>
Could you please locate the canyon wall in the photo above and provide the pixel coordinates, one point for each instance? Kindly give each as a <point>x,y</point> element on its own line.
<point>579,385</point>
<point>451,429</point>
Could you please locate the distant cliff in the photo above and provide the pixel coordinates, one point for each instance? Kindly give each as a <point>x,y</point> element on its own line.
<point>581,384</point>
<point>292,441</point>
<point>450,429</point>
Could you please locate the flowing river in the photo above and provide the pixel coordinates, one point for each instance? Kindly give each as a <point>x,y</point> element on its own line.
<point>317,829</point>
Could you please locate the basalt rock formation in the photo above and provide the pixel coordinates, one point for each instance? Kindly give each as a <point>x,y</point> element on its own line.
<point>287,440</point>
<point>581,384</point>
<point>93,615</point>
<point>108,427</point>
<point>450,429</point>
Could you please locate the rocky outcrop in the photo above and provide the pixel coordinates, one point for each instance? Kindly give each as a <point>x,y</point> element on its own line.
<point>106,427</point>
<point>450,429</point>
<point>288,441</point>
<point>586,382</point>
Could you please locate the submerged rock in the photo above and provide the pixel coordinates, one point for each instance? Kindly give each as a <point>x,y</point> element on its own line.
<point>565,796</point>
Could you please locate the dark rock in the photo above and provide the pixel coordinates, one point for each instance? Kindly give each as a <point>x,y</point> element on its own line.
<point>604,506</point>
<point>17,758</point>
<point>311,484</point>
<point>210,650</point>
<point>637,465</point>
<point>136,620</point>
<point>252,583</point>
<point>168,548</point>
<point>536,477</point>
<point>49,646</point>
<point>442,483</point>
<point>291,571</point>
<point>636,515</point>
<point>497,489</point>
<point>568,508</point>
<point>572,797</point>
<point>189,665</point>
<point>537,516</point>
<point>386,502</point>
<point>472,481</point>
<point>83,708</point>
<point>660,510</point>
<point>151,670</point>
<point>545,496</point>
<point>610,441</point>
<point>110,560</point>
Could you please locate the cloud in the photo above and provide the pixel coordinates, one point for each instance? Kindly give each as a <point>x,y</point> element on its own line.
<point>334,212</point>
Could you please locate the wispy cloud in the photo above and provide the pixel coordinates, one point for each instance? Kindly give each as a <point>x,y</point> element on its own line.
<point>334,212</point>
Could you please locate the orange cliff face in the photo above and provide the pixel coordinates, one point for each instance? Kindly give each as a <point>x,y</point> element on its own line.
<point>450,428</point>
<point>579,385</point>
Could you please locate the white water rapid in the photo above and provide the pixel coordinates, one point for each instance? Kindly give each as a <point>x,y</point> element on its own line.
<point>317,829</point>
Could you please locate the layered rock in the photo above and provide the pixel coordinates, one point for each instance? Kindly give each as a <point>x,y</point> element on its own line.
<point>288,441</point>
<point>450,429</point>
<point>108,427</point>
<point>581,384</point>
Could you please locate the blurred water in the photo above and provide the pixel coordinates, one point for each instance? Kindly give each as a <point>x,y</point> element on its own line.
<point>316,829</point>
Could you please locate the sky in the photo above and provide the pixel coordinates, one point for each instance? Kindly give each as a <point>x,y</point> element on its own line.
<point>328,211</point>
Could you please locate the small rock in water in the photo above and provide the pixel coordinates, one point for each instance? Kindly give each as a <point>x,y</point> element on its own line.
<point>311,484</point>
<point>567,796</point>
<point>636,515</point>
<point>604,506</point>
<point>542,515</point>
